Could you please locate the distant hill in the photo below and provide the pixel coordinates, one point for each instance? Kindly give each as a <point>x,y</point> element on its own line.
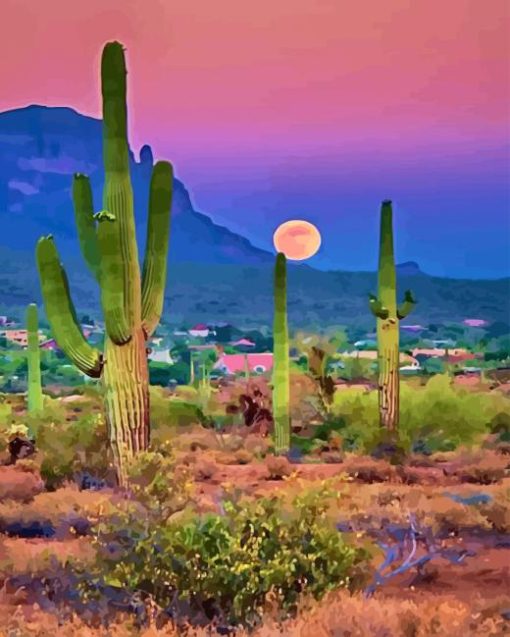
<point>214,274</point>
<point>41,148</point>
<point>242,295</point>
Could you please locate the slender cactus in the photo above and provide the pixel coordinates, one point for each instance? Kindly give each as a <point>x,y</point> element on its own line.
<point>132,303</point>
<point>35,394</point>
<point>388,314</point>
<point>281,383</point>
<point>204,388</point>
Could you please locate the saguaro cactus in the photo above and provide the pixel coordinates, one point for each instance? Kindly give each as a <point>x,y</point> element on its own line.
<point>35,394</point>
<point>388,314</point>
<point>281,384</point>
<point>131,303</point>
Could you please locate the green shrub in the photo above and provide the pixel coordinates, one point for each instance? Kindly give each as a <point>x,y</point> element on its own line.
<point>231,561</point>
<point>157,483</point>
<point>68,448</point>
<point>169,412</point>
<point>440,414</point>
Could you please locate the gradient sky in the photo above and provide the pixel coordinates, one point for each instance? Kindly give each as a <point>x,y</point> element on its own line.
<point>315,109</point>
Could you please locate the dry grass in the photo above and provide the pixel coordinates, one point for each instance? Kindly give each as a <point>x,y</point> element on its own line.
<point>351,616</point>
<point>56,506</point>
<point>241,456</point>
<point>37,557</point>
<point>339,615</point>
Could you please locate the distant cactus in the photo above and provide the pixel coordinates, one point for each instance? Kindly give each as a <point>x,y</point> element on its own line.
<point>35,394</point>
<point>281,383</point>
<point>132,303</point>
<point>388,315</point>
<point>204,388</point>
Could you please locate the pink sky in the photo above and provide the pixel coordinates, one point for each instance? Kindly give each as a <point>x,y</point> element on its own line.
<point>224,76</point>
<point>313,109</point>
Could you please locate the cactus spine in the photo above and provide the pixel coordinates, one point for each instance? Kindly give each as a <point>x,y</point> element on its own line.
<point>35,395</point>
<point>281,384</point>
<point>132,303</point>
<point>388,314</point>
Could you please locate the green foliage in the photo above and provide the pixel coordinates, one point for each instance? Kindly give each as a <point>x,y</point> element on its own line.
<point>169,412</point>
<point>158,485</point>
<point>439,413</point>
<point>70,447</point>
<point>433,366</point>
<point>231,561</point>
<point>160,374</point>
<point>357,368</point>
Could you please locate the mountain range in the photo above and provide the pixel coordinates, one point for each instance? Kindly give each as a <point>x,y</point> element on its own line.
<point>214,274</point>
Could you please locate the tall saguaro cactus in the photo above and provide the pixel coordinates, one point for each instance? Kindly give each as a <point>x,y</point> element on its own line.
<point>132,303</point>
<point>35,394</point>
<point>281,383</point>
<point>388,315</point>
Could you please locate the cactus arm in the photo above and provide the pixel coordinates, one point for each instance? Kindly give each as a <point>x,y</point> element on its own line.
<point>158,232</point>
<point>85,223</point>
<point>377,308</point>
<point>35,395</point>
<point>405,308</point>
<point>60,310</point>
<point>112,289</point>
<point>123,269</point>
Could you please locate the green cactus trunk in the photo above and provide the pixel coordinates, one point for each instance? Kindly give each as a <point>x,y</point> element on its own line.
<point>387,328</point>
<point>126,375</point>
<point>35,394</point>
<point>131,303</point>
<point>388,314</point>
<point>126,394</point>
<point>281,383</point>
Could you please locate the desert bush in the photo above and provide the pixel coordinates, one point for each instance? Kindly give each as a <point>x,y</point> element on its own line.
<point>256,445</point>
<point>161,484</point>
<point>332,457</point>
<point>233,442</point>
<point>230,563</point>
<point>169,412</point>
<point>439,416</point>
<point>17,483</point>
<point>368,469</point>
<point>497,511</point>
<point>243,456</point>
<point>444,513</point>
<point>278,467</point>
<point>69,448</point>
<point>204,468</point>
<point>488,468</point>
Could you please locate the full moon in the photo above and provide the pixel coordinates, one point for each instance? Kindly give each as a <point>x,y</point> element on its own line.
<point>297,239</point>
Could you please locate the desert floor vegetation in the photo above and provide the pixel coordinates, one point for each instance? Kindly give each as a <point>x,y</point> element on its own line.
<point>217,535</point>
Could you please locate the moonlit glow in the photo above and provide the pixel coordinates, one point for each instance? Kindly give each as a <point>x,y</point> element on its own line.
<point>297,239</point>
